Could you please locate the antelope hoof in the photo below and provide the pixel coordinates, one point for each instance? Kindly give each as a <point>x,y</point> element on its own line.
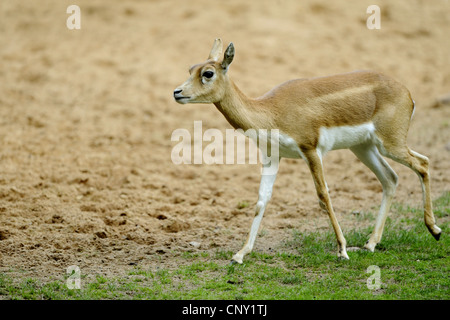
<point>236,259</point>
<point>370,246</point>
<point>435,232</point>
<point>437,236</point>
<point>342,254</point>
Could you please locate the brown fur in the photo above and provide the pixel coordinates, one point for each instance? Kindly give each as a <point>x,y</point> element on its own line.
<point>300,107</point>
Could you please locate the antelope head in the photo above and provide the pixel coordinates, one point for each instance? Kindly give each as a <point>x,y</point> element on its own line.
<point>208,81</point>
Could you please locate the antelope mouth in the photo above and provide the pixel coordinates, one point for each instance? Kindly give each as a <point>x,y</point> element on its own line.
<point>181,99</point>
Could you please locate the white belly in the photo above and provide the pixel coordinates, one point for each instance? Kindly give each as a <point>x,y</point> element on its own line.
<point>288,148</point>
<point>344,137</point>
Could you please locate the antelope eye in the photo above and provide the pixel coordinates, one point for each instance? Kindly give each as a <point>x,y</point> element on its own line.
<point>208,74</point>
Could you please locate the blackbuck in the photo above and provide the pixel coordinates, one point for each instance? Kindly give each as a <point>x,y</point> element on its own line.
<point>364,111</point>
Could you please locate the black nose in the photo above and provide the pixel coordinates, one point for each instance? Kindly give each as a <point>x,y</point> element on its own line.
<point>177,91</point>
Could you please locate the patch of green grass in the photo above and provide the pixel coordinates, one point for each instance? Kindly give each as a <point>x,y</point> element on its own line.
<point>412,265</point>
<point>243,204</point>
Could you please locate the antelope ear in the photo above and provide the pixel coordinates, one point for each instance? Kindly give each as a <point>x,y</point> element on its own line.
<point>228,56</point>
<point>216,50</point>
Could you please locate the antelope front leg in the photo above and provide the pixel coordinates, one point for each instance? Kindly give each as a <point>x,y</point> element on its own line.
<point>315,165</point>
<point>265,193</point>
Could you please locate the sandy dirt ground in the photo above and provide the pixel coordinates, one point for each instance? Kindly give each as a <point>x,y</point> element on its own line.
<point>86,118</point>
